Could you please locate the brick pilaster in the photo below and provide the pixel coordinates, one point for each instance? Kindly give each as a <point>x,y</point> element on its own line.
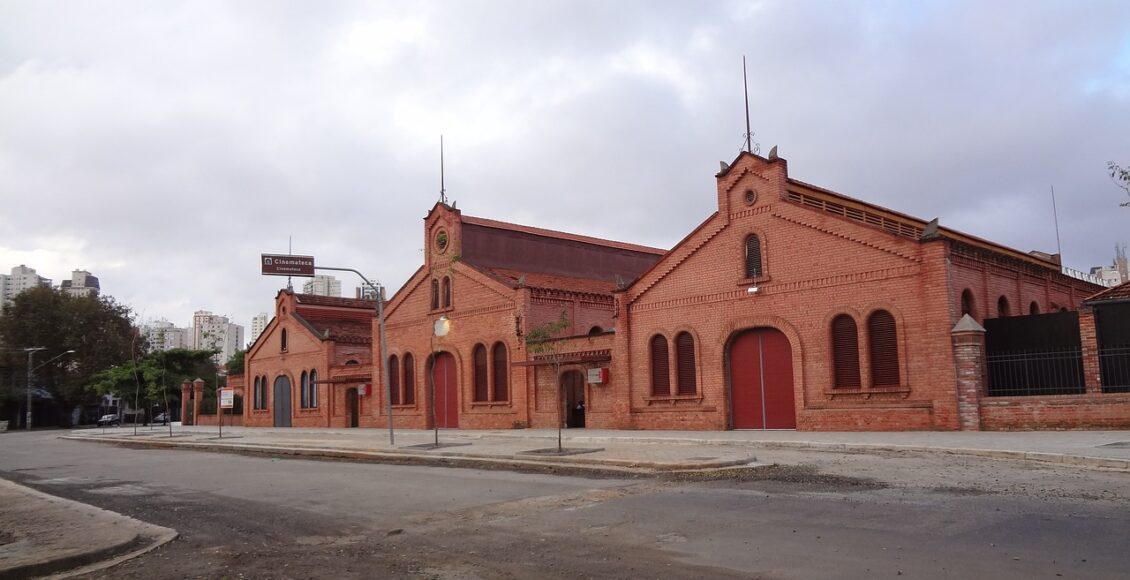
<point>185,398</point>
<point>197,397</point>
<point>969,364</point>
<point>1092,376</point>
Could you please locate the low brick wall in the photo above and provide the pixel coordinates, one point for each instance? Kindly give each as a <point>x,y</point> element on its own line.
<point>1090,411</point>
<point>229,420</point>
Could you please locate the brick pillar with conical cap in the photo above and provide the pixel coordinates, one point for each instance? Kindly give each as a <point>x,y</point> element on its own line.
<point>969,364</point>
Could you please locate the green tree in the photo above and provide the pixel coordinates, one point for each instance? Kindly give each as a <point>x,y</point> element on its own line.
<point>96,328</point>
<point>1121,178</point>
<point>544,342</point>
<point>159,373</point>
<point>234,365</point>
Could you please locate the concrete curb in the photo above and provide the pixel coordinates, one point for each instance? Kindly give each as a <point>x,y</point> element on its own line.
<point>596,464</point>
<point>94,558</point>
<point>440,458</point>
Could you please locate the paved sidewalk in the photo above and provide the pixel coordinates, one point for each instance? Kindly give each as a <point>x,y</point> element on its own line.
<point>631,451</point>
<point>42,535</point>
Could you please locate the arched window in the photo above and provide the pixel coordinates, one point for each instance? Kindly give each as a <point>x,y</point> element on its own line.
<point>482,389</point>
<point>883,340</point>
<point>303,386</point>
<point>1002,307</point>
<point>255,395</point>
<point>435,294</point>
<point>446,286</point>
<point>313,388</point>
<point>684,364</point>
<point>660,367</point>
<point>409,379</point>
<point>753,257</point>
<point>282,340</point>
<point>596,330</point>
<point>394,379</point>
<point>967,305</point>
<point>845,353</point>
<point>263,390</point>
<point>1034,308</point>
<point>501,373</point>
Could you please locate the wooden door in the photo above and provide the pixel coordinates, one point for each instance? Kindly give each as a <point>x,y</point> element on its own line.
<point>282,402</point>
<point>352,406</point>
<point>446,391</point>
<point>761,381</point>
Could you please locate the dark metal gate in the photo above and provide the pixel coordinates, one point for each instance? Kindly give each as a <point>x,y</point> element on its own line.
<point>1040,354</point>
<point>1112,327</point>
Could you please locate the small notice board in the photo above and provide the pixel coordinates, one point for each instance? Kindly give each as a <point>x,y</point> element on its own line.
<point>227,398</point>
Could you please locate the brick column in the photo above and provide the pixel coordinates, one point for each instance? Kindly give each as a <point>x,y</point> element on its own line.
<point>197,397</point>
<point>969,364</point>
<point>185,397</point>
<point>1092,376</point>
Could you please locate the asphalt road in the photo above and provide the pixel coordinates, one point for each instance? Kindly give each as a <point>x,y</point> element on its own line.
<point>815,515</point>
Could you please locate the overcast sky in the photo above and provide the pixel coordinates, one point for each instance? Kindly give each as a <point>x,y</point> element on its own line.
<point>164,145</point>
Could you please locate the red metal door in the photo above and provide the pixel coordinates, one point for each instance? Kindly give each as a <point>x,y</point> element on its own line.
<point>761,381</point>
<point>447,391</point>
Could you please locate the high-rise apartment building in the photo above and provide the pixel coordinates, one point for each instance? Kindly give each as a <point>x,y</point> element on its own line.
<point>164,335</point>
<point>82,283</point>
<point>322,285</point>
<point>215,332</point>
<point>258,325</point>
<point>22,278</point>
<point>366,292</point>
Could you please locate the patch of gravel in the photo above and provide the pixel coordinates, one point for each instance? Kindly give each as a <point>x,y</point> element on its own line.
<point>806,476</point>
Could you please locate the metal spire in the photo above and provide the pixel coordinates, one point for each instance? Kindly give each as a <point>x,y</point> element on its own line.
<point>442,188</point>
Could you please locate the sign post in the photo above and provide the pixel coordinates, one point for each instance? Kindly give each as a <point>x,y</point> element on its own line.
<point>227,401</point>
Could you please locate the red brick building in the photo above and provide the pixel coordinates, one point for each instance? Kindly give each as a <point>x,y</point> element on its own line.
<point>310,365</point>
<point>791,306</point>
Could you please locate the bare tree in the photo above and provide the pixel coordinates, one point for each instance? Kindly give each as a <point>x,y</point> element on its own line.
<point>543,342</point>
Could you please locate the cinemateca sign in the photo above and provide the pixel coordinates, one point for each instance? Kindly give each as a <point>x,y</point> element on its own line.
<point>284,265</point>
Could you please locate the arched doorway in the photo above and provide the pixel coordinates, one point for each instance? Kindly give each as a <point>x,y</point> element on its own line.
<point>573,385</point>
<point>446,391</point>
<point>352,407</point>
<point>282,401</point>
<point>761,381</point>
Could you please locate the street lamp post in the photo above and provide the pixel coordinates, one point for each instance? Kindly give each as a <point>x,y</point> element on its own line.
<point>440,329</point>
<point>31,369</point>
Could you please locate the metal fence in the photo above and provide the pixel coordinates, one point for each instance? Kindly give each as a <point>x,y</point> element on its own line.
<point>1035,372</point>
<point>1114,364</point>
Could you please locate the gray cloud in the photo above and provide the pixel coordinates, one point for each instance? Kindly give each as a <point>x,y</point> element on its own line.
<point>164,146</point>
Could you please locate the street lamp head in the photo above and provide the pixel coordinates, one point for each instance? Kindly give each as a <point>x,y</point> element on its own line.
<point>442,326</point>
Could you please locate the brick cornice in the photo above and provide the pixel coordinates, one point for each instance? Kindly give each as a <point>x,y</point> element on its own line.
<point>780,288</point>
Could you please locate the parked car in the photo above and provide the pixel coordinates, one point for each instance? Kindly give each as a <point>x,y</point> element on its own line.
<point>163,418</point>
<point>108,420</point>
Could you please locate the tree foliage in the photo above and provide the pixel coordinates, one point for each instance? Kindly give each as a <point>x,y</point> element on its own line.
<point>96,328</point>
<point>158,373</point>
<point>234,365</point>
<point>1121,178</point>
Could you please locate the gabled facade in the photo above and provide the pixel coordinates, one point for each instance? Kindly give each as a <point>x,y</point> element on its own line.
<point>491,283</point>
<point>312,364</point>
<point>796,307</point>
